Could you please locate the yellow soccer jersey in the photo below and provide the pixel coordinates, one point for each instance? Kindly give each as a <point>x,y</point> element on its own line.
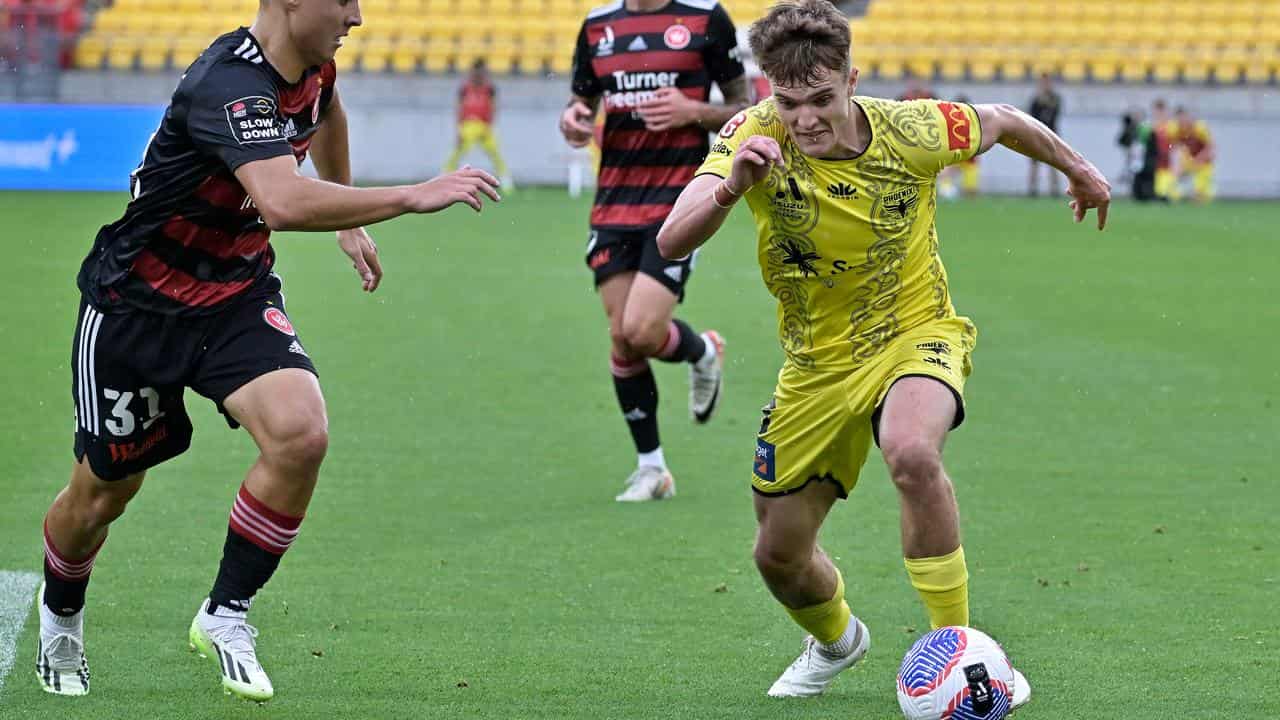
<point>848,247</point>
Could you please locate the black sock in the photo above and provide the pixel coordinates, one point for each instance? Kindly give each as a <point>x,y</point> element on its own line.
<point>688,347</point>
<point>638,398</point>
<point>63,597</point>
<point>244,570</point>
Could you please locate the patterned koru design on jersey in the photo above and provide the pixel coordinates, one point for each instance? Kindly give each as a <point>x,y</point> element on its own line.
<point>795,211</point>
<point>791,260</point>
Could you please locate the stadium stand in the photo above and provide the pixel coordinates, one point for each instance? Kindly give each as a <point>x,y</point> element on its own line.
<point>1192,41</point>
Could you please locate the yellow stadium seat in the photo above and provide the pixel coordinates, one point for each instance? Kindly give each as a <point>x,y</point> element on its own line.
<point>376,55</point>
<point>437,57</point>
<point>560,64</point>
<point>91,51</point>
<point>140,23</point>
<point>110,20</point>
<point>121,53</point>
<point>154,53</point>
<point>186,49</point>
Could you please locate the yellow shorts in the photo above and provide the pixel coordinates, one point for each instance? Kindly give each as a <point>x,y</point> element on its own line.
<point>819,426</point>
<point>475,132</point>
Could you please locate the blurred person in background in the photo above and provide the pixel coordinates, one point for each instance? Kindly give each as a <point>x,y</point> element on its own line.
<point>1164,131</point>
<point>475,122</point>
<point>1196,159</point>
<point>1046,106</point>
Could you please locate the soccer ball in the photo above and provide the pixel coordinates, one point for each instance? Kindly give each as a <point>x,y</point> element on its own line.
<point>955,673</point>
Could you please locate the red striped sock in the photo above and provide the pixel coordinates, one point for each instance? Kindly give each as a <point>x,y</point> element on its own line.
<point>270,530</point>
<point>65,579</point>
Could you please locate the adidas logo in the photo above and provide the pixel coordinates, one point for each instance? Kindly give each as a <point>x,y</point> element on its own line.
<point>842,191</point>
<point>638,44</point>
<point>296,347</point>
<point>675,272</point>
<point>635,415</point>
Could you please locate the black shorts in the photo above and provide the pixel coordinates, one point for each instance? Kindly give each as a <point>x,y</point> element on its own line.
<point>610,252</point>
<point>129,371</point>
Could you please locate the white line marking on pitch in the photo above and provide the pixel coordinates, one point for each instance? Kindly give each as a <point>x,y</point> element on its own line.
<point>17,590</point>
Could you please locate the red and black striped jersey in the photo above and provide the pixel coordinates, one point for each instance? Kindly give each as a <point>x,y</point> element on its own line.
<point>191,240</point>
<point>624,57</point>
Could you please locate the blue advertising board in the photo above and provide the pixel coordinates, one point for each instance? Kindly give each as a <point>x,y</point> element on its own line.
<point>73,147</point>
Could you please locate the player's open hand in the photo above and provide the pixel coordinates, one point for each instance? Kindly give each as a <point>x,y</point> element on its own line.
<point>1089,190</point>
<point>363,252</point>
<point>465,185</point>
<point>752,162</point>
<point>668,109</point>
<point>575,124</point>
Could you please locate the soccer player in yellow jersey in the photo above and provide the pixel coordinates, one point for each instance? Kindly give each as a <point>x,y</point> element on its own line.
<point>842,189</point>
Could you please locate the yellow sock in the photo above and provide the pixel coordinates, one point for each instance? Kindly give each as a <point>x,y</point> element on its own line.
<point>828,621</point>
<point>943,584</point>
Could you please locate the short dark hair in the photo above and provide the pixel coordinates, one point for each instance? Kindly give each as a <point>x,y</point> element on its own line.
<point>799,37</point>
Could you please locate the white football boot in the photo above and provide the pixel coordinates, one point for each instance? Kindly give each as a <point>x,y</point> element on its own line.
<point>706,377</point>
<point>1021,691</point>
<point>229,640</point>
<point>60,662</point>
<point>648,483</point>
<point>813,672</point>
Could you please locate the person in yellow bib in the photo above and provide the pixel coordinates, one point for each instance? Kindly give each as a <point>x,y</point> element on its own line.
<point>842,190</point>
<point>475,122</point>
<point>1197,154</point>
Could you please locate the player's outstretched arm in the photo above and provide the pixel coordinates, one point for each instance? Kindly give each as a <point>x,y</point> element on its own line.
<point>705,203</point>
<point>1009,126</point>
<point>288,200</point>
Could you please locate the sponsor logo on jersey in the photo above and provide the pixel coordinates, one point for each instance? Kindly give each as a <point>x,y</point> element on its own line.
<point>677,37</point>
<point>124,452</point>
<point>637,88</point>
<point>604,48</point>
<point>958,126</point>
<point>734,123</point>
<point>721,149</point>
<point>252,119</point>
<point>842,191</point>
<point>600,258</point>
<point>276,318</point>
<point>289,128</point>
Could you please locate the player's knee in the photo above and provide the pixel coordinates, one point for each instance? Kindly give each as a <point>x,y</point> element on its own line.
<point>644,336</point>
<point>621,347</point>
<point>914,464</point>
<point>300,443</point>
<point>101,506</point>
<point>776,561</point>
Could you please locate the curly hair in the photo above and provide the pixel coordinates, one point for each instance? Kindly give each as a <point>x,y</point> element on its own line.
<point>798,38</point>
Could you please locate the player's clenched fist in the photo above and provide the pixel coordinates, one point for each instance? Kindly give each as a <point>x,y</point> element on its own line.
<point>751,163</point>
<point>575,124</point>
<point>464,185</point>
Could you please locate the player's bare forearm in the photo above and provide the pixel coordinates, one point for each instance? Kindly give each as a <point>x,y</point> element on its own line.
<point>737,95</point>
<point>311,205</point>
<point>694,219</point>
<point>330,148</point>
<point>1021,133</point>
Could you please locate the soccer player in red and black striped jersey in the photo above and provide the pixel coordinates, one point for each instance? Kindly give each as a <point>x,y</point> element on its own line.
<point>181,293</point>
<point>651,64</point>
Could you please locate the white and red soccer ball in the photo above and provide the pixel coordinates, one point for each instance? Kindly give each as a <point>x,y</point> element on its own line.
<point>955,673</point>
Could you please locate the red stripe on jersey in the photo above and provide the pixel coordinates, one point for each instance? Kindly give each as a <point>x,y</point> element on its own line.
<point>644,139</point>
<point>215,242</point>
<point>649,61</point>
<point>632,215</point>
<point>223,192</point>
<point>179,286</point>
<point>647,176</point>
<point>646,24</point>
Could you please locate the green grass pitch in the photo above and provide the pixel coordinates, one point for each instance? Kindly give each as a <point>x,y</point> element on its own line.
<point>464,558</point>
